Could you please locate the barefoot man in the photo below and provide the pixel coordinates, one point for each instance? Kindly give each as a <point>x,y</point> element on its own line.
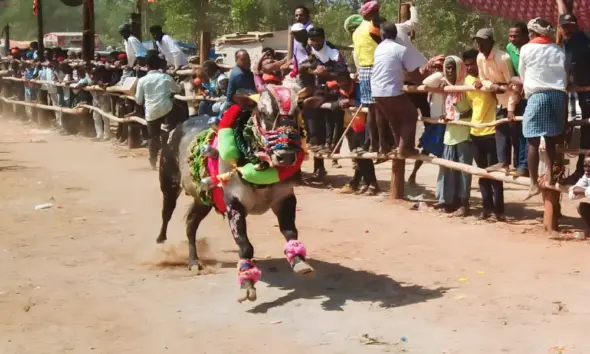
<point>542,72</point>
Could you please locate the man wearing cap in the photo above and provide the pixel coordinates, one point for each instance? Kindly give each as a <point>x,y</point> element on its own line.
<point>168,47</point>
<point>577,49</point>
<point>495,69</point>
<point>133,47</point>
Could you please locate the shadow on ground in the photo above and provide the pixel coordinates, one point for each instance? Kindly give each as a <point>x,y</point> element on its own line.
<point>336,284</point>
<point>12,168</point>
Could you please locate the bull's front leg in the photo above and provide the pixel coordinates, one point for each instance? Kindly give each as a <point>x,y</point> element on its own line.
<point>295,251</point>
<point>248,273</point>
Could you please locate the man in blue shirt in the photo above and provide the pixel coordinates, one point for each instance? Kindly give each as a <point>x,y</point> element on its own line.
<point>577,49</point>
<point>241,76</point>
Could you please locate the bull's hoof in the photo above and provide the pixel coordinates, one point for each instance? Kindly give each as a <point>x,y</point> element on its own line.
<point>302,268</point>
<point>247,291</point>
<point>161,239</point>
<point>194,263</point>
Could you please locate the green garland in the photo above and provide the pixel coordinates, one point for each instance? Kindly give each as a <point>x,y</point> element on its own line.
<point>197,163</point>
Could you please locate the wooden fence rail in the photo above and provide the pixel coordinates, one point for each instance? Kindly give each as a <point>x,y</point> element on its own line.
<point>550,193</point>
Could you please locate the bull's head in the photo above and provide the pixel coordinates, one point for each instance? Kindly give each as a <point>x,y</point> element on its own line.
<point>276,118</point>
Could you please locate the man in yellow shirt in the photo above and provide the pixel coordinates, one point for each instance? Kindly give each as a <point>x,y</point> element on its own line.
<point>365,42</point>
<point>483,140</point>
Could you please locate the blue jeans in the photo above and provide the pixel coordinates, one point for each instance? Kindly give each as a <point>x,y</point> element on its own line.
<point>455,186</point>
<point>206,107</point>
<point>510,141</point>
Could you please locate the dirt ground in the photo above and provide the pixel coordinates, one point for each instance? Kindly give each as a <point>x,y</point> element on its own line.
<point>86,275</point>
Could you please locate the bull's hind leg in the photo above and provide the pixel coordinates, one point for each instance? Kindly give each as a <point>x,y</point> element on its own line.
<point>170,187</point>
<point>248,273</point>
<point>196,213</point>
<point>295,251</point>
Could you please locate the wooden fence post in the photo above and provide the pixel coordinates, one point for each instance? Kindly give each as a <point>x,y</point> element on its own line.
<point>204,46</point>
<point>88,34</point>
<point>398,170</point>
<point>398,167</point>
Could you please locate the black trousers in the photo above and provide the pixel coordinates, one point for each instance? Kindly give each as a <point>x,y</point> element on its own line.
<point>484,154</point>
<point>420,100</point>
<point>157,137</point>
<point>511,144</point>
<point>364,168</point>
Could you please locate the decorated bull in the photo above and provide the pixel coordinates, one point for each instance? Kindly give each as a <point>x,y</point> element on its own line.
<point>243,166</point>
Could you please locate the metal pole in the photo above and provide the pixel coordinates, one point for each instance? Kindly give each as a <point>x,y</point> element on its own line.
<point>88,33</point>
<point>40,30</point>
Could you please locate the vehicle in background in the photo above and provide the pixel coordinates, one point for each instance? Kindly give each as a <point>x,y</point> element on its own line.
<point>67,40</point>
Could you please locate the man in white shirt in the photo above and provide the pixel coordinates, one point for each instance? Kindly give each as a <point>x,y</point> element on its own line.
<point>391,64</point>
<point>404,37</point>
<point>133,47</point>
<point>543,75</point>
<point>299,30</point>
<point>168,47</point>
<point>155,92</point>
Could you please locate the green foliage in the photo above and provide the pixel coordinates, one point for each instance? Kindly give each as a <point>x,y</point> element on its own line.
<point>444,26</point>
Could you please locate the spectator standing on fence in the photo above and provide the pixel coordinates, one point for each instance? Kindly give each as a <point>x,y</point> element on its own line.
<point>543,74</point>
<point>518,36</point>
<point>133,47</point>
<point>577,47</point>
<point>156,91</point>
<point>453,188</point>
<point>483,140</point>
<point>241,76</point>
<point>394,109</point>
<point>495,69</point>
<point>365,43</point>
<point>175,57</point>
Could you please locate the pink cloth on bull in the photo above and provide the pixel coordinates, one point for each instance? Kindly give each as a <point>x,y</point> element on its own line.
<point>216,192</point>
<point>247,270</point>
<point>294,248</point>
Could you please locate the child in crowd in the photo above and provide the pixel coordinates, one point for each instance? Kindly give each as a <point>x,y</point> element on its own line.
<point>453,188</point>
<point>484,140</point>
